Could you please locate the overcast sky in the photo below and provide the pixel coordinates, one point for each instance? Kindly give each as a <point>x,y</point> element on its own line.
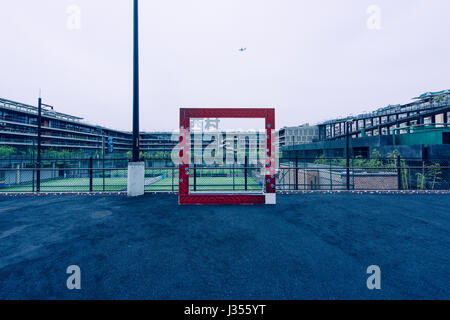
<point>311,60</point>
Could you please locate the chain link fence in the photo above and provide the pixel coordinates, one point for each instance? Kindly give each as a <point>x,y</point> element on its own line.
<point>227,178</point>
<point>63,175</point>
<point>363,174</point>
<point>161,175</point>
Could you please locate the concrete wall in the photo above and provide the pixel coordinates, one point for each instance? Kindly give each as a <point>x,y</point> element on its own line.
<point>314,177</point>
<point>438,151</point>
<point>22,176</point>
<point>407,152</point>
<point>317,177</point>
<point>375,181</point>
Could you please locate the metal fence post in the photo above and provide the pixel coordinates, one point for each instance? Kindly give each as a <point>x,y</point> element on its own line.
<point>305,185</point>
<point>38,177</point>
<point>195,177</point>
<point>399,174</point>
<point>245,172</point>
<point>33,170</point>
<point>347,153</point>
<point>296,172</point>
<point>348,174</point>
<point>103,172</point>
<point>91,171</point>
<point>173,177</point>
<point>331,177</point>
<point>233,173</point>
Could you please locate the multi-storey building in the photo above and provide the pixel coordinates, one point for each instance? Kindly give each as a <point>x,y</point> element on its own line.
<point>428,108</point>
<point>419,129</point>
<point>62,132</point>
<point>158,141</point>
<point>302,134</point>
<point>18,129</point>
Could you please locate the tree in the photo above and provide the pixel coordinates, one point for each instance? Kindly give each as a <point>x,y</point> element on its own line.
<point>421,179</point>
<point>375,161</point>
<point>6,151</point>
<point>434,173</point>
<point>439,98</point>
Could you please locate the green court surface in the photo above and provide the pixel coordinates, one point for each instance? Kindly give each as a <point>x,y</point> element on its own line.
<point>207,184</point>
<point>167,183</point>
<point>73,185</point>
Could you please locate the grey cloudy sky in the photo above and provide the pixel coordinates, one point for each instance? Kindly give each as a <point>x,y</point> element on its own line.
<point>311,60</point>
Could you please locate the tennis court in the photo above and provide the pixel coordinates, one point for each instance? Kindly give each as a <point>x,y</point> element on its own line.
<point>163,182</point>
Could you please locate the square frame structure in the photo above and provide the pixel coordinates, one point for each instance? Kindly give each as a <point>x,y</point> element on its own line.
<point>186,197</point>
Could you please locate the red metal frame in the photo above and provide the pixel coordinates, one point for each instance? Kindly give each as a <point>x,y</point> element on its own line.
<point>186,114</point>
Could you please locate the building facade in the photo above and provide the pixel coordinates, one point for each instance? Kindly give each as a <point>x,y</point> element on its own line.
<point>303,134</point>
<point>62,132</point>
<point>428,108</point>
<point>419,129</point>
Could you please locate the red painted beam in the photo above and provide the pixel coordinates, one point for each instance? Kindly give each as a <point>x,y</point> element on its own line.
<point>222,199</point>
<point>227,113</point>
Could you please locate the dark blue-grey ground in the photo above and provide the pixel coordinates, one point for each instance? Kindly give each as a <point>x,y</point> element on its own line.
<point>305,247</point>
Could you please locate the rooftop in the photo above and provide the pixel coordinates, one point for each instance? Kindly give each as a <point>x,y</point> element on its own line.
<point>18,106</point>
<point>422,103</point>
<point>49,113</point>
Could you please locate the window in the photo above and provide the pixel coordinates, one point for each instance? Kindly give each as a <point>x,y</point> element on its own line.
<point>15,117</point>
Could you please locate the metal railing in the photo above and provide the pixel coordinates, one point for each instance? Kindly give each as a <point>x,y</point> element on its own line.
<point>420,128</point>
<point>227,178</point>
<point>161,175</point>
<point>393,173</point>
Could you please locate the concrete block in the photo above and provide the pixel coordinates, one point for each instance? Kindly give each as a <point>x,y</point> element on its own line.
<point>271,198</point>
<point>136,178</point>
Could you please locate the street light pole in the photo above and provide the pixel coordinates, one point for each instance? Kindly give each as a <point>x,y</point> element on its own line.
<point>38,160</point>
<point>39,142</point>
<point>136,83</point>
<point>347,152</point>
<point>136,168</point>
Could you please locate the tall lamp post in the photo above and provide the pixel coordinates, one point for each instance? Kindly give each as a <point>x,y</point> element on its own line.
<point>39,142</point>
<point>136,168</point>
<point>135,82</point>
<point>38,160</point>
